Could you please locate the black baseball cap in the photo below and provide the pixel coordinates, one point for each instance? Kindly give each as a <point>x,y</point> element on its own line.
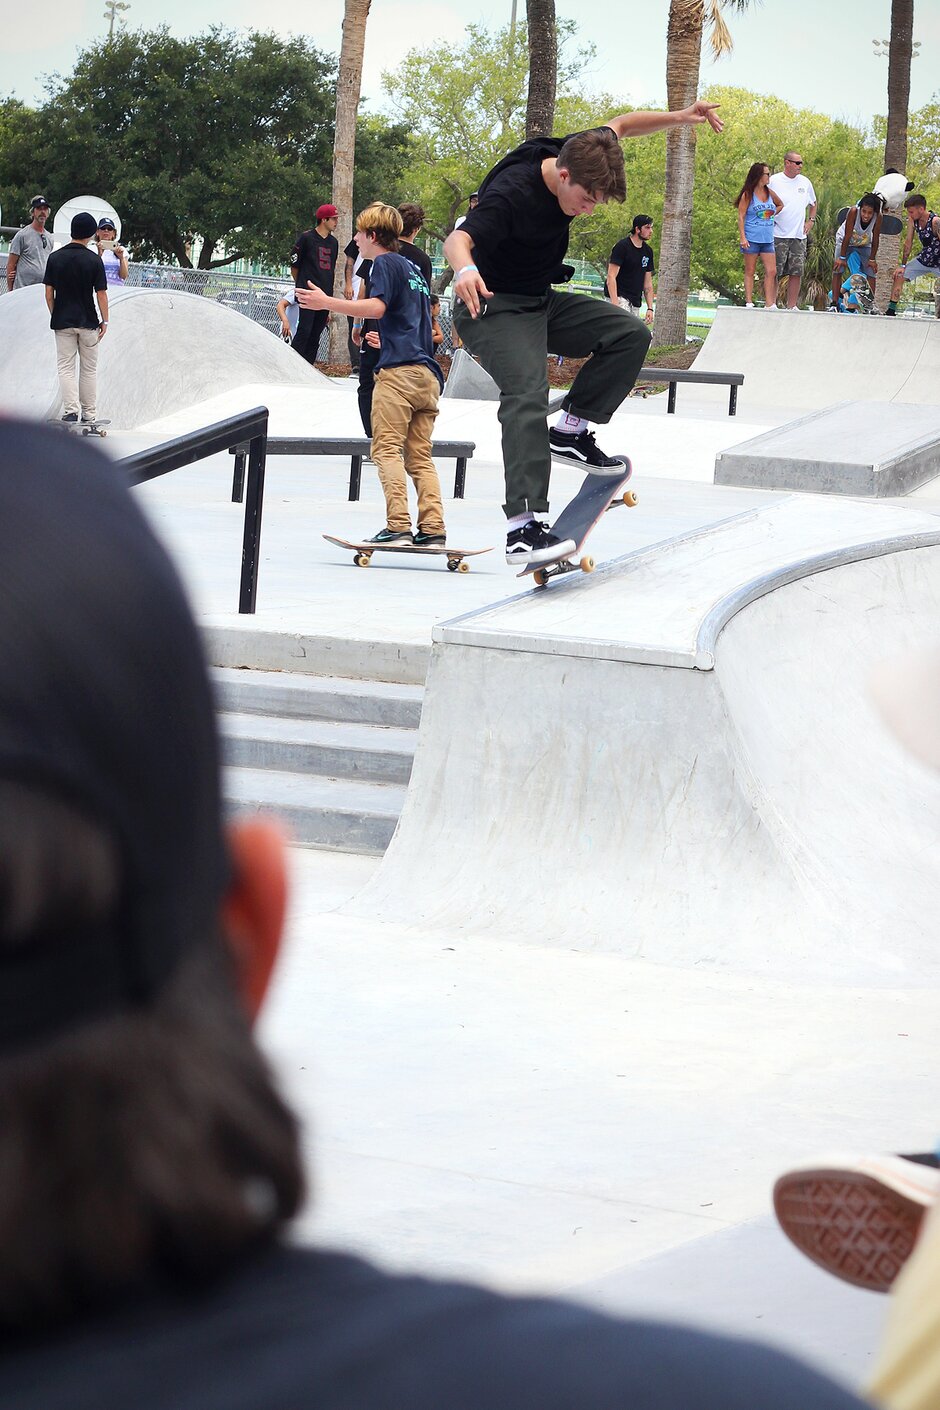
<point>38,201</point>
<point>105,703</point>
<point>640,220</point>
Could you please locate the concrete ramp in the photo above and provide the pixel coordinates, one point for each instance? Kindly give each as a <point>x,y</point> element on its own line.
<point>164,351</point>
<point>678,759</point>
<point>797,362</point>
<point>875,449</point>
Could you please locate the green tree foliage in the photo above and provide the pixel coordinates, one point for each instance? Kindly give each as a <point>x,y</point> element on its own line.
<point>464,106</point>
<point>840,158</point>
<point>923,148</point>
<point>222,142</point>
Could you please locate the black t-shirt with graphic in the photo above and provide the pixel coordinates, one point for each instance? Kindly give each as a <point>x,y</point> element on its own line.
<point>405,328</point>
<point>313,259</point>
<point>634,264</point>
<point>77,274</point>
<point>518,229</point>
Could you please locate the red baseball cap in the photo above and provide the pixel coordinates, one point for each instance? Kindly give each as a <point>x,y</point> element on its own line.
<point>327,213</point>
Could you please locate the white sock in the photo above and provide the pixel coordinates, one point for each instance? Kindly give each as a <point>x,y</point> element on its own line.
<point>519,521</point>
<point>571,425</point>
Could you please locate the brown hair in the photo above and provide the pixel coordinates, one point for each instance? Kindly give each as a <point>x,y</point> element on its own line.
<point>412,217</point>
<point>383,223</point>
<point>755,175</point>
<point>147,1145</point>
<point>915,200</point>
<point>594,160</point>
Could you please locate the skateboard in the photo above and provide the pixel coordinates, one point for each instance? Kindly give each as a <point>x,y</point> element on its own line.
<point>87,428</point>
<point>890,225</point>
<point>362,552</point>
<point>859,289</point>
<point>597,494</point>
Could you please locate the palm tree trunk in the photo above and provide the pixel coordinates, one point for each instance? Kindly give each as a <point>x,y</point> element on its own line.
<point>899,92</point>
<point>543,67</point>
<point>348,86</point>
<point>683,60</point>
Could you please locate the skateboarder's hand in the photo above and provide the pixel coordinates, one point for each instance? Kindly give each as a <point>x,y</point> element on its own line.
<point>373,340</point>
<point>311,297</point>
<point>102,329</point>
<point>470,288</point>
<point>704,112</point>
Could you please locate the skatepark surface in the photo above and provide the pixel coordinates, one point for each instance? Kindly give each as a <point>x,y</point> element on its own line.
<point>658,919</point>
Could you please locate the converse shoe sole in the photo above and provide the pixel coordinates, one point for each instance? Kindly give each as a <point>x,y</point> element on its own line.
<point>565,457</point>
<point>525,557</point>
<point>857,1217</point>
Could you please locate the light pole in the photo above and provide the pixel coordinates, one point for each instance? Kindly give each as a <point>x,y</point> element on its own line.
<point>881,48</point>
<point>111,10</point>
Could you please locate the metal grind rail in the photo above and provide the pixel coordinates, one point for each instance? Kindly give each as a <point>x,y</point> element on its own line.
<point>248,426</point>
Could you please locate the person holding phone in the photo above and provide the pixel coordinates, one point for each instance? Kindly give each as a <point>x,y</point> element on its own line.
<point>113,255</point>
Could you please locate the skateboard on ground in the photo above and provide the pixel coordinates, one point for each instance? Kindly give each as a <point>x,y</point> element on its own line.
<point>597,494</point>
<point>87,428</point>
<point>362,552</point>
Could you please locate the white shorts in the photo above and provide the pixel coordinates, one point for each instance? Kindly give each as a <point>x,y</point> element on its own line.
<point>915,270</point>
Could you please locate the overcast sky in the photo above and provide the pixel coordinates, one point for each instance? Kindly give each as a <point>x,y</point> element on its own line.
<point>785,47</point>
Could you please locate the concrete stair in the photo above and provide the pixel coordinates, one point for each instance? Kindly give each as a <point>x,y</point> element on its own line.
<point>330,756</point>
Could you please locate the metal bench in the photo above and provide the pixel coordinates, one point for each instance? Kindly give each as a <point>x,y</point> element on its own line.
<point>674,375</point>
<point>356,447</point>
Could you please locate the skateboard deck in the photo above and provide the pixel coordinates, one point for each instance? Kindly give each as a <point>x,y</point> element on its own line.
<point>860,291</point>
<point>890,225</point>
<point>87,428</point>
<point>362,552</point>
<point>597,494</point>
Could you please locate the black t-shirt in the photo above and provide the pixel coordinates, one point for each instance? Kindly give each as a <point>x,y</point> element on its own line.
<point>635,264</point>
<point>314,258</point>
<point>297,1329</point>
<point>518,229</point>
<point>405,328</point>
<point>419,258</point>
<point>76,273</point>
<point>352,251</point>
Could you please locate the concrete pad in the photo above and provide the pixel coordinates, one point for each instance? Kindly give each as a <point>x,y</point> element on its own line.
<point>205,349</point>
<point>797,362</point>
<point>857,448</point>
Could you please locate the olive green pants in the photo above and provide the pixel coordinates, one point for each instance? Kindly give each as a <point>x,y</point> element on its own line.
<point>513,338</point>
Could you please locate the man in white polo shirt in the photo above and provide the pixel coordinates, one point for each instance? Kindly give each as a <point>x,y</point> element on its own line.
<point>793,223</point>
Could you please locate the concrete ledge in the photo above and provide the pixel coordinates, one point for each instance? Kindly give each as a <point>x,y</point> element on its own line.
<point>871,449</point>
<point>354,658</point>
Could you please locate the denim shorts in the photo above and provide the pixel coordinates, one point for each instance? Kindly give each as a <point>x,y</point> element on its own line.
<point>766,247</point>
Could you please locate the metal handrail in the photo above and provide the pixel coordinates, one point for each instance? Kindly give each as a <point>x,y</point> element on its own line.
<point>250,426</point>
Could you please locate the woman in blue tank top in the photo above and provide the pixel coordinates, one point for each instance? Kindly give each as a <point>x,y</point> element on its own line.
<point>757,206</point>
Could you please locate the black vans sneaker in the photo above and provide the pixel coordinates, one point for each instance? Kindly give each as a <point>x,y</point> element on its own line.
<point>423,540</point>
<point>71,417</point>
<point>392,538</point>
<point>584,450</point>
<point>534,543</point>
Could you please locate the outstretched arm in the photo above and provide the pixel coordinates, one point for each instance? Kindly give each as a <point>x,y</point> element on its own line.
<point>641,123</point>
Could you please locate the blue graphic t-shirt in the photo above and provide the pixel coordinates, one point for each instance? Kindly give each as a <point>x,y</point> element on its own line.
<point>405,330</point>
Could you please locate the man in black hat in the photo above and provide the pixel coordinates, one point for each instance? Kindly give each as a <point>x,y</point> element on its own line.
<point>148,1167</point>
<point>631,268</point>
<point>74,278</point>
<point>30,248</point>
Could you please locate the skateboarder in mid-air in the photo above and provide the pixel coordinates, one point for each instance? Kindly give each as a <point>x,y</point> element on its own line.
<point>506,256</point>
<point>408,380</point>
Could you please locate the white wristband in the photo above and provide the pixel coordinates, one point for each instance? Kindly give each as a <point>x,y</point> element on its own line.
<point>464,270</point>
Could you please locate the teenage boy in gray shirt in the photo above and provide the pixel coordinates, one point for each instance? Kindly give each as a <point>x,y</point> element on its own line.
<point>30,248</point>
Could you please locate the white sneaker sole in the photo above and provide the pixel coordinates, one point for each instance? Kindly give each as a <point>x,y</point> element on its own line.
<point>531,558</point>
<point>857,1216</point>
<point>563,457</point>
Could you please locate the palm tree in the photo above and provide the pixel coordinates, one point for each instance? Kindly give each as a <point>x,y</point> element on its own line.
<point>348,86</point>
<point>543,66</point>
<point>900,50</point>
<point>688,20</point>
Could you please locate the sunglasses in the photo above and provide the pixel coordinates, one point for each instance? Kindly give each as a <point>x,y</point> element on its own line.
<point>796,161</point>
<point>44,243</point>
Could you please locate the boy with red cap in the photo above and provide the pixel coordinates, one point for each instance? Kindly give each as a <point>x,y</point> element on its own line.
<point>313,261</point>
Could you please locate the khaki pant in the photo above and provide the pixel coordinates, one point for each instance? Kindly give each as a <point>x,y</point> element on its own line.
<point>404,409</point>
<point>84,342</point>
<point>907,1370</point>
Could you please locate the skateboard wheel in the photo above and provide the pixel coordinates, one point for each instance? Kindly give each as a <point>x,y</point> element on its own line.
<point>463,567</point>
<point>453,564</point>
<point>629,498</point>
<point>362,560</point>
<point>587,564</point>
<point>540,577</point>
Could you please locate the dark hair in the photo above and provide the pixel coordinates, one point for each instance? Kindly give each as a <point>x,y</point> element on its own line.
<point>412,218</point>
<point>433,298</point>
<point>873,199</point>
<point>147,1146</point>
<point>753,179</point>
<point>594,160</point>
<point>915,200</point>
